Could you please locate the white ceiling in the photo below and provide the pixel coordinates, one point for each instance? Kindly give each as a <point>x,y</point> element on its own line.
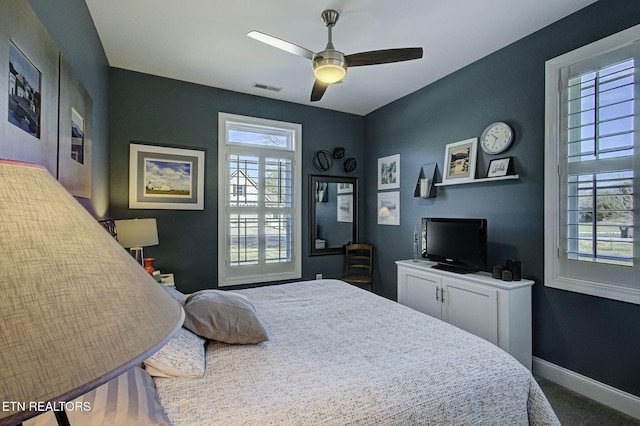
<point>205,42</point>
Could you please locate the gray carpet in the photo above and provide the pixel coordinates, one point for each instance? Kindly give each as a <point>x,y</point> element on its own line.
<point>574,409</point>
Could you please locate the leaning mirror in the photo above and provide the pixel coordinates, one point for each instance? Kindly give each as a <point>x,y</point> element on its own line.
<point>333,202</point>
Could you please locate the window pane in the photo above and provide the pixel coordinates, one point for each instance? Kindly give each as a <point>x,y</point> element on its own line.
<point>600,122</point>
<point>245,134</point>
<point>278,238</point>
<point>600,217</point>
<point>243,244</point>
<point>278,191</point>
<point>243,182</point>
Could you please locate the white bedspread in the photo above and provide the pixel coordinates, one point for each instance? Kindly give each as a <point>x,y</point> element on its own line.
<point>339,355</point>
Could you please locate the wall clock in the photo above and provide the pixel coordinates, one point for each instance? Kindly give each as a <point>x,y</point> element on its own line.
<point>496,138</point>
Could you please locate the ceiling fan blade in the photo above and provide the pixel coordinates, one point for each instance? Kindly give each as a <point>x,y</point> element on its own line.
<point>281,44</point>
<point>318,90</point>
<point>375,57</point>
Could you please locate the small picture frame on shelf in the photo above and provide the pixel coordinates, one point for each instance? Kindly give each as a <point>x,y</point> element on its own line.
<point>460,161</point>
<point>500,167</point>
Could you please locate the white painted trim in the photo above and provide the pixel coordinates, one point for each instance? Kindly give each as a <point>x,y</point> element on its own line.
<point>261,272</point>
<point>600,280</point>
<point>600,392</point>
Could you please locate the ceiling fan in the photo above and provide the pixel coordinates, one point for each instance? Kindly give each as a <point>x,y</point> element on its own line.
<point>330,65</point>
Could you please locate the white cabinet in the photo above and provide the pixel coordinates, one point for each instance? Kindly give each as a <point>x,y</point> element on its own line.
<point>496,310</point>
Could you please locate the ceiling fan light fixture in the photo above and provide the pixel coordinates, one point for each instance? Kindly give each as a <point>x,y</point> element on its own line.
<point>329,73</point>
<point>329,66</point>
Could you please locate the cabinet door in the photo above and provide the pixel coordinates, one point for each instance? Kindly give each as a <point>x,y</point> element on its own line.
<point>472,308</point>
<point>418,291</point>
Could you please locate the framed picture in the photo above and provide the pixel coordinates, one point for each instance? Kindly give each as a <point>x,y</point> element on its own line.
<point>74,134</point>
<point>345,208</point>
<point>389,208</point>
<point>389,172</point>
<point>29,78</point>
<point>500,167</point>
<point>345,188</point>
<point>460,161</point>
<point>165,178</point>
<point>25,89</point>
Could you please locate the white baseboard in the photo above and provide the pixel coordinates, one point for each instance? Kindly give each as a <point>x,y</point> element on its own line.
<point>600,392</point>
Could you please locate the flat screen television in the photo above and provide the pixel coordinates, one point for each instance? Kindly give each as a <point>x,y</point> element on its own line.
<point>457,245</point>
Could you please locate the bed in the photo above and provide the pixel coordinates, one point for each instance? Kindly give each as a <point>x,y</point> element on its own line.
<point>337,354</point>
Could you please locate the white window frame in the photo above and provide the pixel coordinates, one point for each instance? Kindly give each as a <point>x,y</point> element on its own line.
<point>233,275</point>
<point>608,281</point>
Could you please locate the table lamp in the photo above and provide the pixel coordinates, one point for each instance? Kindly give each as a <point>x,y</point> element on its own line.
<point>135,234</point>
<point>75,309</point>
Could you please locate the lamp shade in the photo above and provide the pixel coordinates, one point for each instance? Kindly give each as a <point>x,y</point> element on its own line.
<point>137,232</point>
<point>76,310</point>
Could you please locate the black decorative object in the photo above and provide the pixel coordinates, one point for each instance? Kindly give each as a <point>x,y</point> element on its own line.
<point>338,153</point>
<point>515,267</point>
<point>507,275</point>
<point>425,187</point>
<point>322,160</point>
<point>497,271</point>
<point>350,165</point>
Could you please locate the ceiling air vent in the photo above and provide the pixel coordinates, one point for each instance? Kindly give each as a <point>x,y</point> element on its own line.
<point>266,87</point>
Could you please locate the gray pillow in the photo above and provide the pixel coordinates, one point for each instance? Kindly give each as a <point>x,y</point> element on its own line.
<point>223,316</point>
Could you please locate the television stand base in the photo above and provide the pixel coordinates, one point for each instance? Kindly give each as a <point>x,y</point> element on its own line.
<point>453,268</point>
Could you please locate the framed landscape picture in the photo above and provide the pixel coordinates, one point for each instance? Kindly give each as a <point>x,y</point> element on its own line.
<point>460,161</point>
<point>165,178</point>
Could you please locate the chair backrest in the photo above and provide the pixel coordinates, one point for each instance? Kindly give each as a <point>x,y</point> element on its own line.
<point>359,259</point>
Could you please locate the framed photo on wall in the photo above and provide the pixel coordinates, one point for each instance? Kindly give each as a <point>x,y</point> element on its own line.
<point>460,161</point>
<point>389,208</point>
<point>389,172</point>
<point>74,133</point>
<point>29,85</point>
<point>165,178</point>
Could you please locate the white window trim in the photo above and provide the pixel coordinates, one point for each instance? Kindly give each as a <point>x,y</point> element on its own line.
<point>552,243</point>
<point>223,193</point>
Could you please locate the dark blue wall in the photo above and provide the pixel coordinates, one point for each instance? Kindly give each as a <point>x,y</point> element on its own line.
<point>69,24</point>
<point>596,337</point>
<point>152,109</point>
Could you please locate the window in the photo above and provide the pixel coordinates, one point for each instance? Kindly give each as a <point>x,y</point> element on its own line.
<point>259,223</point>
<point>591,168</point>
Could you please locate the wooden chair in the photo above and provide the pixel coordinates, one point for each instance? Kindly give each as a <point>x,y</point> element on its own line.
<point>359,264</point>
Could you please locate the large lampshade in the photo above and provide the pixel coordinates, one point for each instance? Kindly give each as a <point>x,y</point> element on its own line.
<point>76,310</point>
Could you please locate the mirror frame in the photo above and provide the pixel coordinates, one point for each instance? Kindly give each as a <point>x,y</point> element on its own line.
<point>313,179</point>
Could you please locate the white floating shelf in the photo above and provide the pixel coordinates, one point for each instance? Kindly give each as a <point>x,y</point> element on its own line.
<point>491,179</point>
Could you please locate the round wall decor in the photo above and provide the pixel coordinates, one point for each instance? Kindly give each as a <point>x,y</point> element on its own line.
<point>322,160</point>
<point>350,165</point>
